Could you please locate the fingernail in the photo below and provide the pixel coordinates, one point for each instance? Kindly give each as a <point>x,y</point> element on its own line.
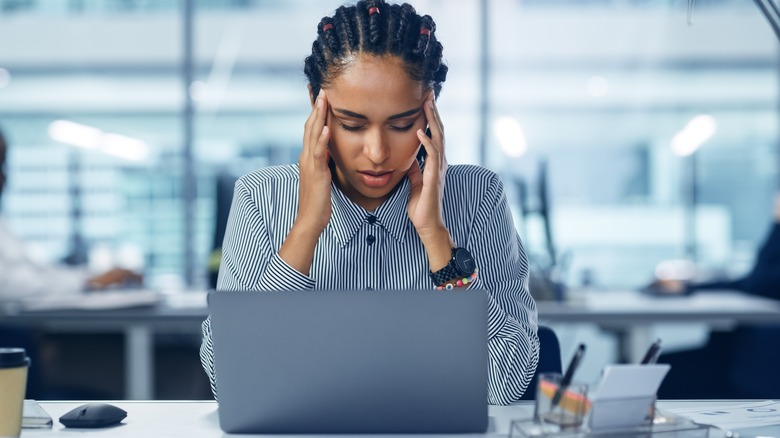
<point>430,103</point>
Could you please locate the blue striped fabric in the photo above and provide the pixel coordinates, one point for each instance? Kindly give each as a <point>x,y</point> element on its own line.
<point>381,250</point>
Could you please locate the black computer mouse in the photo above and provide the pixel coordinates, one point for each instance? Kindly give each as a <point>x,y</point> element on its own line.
<point>93,415</point>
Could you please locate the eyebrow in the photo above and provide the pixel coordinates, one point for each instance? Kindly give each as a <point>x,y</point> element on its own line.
<point>353,114</point>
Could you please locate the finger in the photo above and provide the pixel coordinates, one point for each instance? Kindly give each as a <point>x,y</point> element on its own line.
<point>432,113</point>
<point>320,150</point>
<point>426,141</point>
<point>438,116</point>
<point>434,152</point>
<point>434,126</point>
<point>414,174</point>
<point>311,129</point>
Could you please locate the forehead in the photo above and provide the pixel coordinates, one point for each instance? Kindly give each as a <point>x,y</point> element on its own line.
<point>376,87</point>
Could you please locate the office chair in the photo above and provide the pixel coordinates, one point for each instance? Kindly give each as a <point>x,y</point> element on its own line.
<point>225,182</point>
<point>549,359</point>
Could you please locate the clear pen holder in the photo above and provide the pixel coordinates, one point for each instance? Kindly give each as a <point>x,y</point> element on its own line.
<point>572,414</point>
<point>560,409</point>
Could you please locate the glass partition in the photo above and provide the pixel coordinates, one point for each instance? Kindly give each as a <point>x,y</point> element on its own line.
<point>607,111</point>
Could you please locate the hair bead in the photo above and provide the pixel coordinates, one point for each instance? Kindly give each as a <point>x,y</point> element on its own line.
<point>327,27</point>
<point>373,10</point>
<point>424,31</point>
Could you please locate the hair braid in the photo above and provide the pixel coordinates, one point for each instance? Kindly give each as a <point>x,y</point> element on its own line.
<point>381,29</point>
<point>344,21</point>
<point>423,39</point>
<point>328,36</point>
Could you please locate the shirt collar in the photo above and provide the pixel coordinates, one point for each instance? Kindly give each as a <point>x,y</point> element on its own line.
<point>347,217</point>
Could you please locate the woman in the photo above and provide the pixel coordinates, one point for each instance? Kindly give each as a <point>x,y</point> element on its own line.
<point>365,208</point>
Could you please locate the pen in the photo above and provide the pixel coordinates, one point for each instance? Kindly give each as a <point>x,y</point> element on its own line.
<point>567,376</point>
<point>652,353</point>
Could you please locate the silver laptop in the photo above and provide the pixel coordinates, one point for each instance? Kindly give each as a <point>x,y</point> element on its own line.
<point>351,361</point>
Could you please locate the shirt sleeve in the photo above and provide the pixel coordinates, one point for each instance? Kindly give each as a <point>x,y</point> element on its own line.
<point>249,262</point>
<point>764,278</point>
<point>513,345</point>
<point>24,279</point>
<point>249,259</point>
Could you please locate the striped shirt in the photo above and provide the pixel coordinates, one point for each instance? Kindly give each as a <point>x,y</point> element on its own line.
<point>381,250</point>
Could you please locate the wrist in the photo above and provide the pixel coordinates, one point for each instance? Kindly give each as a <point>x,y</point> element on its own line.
<point>298,247</point>
<point>438,245</point>
<point>307,229</point>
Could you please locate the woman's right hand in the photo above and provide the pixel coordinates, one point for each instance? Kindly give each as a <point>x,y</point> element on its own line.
<point>314,193</point>
<point>314,200</point>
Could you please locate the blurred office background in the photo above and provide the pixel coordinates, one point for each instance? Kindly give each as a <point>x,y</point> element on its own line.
<point>650,132</point>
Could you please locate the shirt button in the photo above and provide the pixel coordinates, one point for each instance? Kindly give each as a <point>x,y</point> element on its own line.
<point>371,219</point>
<point>370,240</point>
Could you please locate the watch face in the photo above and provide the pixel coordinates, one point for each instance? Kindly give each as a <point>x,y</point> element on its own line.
<point>464,263</point>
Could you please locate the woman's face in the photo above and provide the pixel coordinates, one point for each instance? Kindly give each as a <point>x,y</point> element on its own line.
<point>374,112</point>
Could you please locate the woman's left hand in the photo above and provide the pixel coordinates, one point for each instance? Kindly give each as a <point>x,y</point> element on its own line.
<point>427,191</point>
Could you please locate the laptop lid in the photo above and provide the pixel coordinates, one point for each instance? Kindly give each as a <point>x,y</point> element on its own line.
<point>351,361</point>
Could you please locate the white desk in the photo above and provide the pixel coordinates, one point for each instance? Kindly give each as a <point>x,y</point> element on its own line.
<point>199,419</point>
<point>626,313</point>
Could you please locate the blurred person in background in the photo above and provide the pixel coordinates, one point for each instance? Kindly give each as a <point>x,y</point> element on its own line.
<point>742,363</point>
<point>22,278</point>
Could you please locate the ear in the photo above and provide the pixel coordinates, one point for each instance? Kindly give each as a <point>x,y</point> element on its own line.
<point>311,96</point>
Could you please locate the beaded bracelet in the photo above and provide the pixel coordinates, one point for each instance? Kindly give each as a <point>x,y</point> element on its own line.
<point>463,282</point>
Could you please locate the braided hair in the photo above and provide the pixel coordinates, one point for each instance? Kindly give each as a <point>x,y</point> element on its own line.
<point>377,28</point>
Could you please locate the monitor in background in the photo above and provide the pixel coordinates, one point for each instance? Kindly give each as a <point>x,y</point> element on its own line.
<point>537,204</point>
<point>547,266</point>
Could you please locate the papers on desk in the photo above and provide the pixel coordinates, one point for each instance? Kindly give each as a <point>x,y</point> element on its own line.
<point>734,416</point>
<point>110,299</point>
<point>625,396</point>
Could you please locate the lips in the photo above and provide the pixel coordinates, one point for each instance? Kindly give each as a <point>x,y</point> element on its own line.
<point>376,179</point>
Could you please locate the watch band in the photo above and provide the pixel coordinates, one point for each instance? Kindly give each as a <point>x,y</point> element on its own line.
<point>445,274</point>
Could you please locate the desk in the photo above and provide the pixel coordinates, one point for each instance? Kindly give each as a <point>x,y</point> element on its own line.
<point>138,326</point>
<point>199,419</point>
<point>629,314</point>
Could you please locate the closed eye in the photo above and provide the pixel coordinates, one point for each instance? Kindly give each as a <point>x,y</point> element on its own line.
<point>402,128</point>
<point>350,128</point>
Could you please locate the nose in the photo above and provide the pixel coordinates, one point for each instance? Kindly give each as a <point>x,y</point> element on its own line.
<point>376,147</point>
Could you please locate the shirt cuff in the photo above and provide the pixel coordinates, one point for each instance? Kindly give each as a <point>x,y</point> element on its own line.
<point>281,276</point>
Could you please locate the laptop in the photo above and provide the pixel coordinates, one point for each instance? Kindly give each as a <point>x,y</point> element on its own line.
<point>395,361</point>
